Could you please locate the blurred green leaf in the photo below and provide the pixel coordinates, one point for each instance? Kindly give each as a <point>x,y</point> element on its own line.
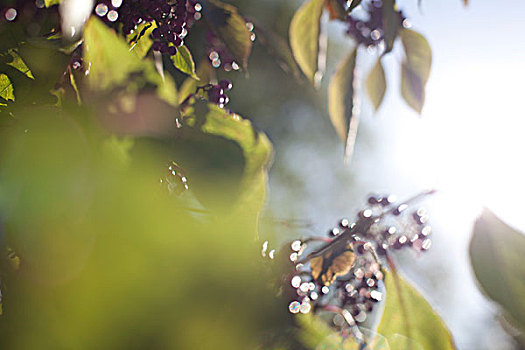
<point>189,86</point>
<point>305,29</point>
<point>315,334</point>
<point>391,24</point>
<point>256,149</point>
<point>408,321</point>
<point>110,261</point>
<point>376,84</point>
<point>111,65</point>
<point>110,62</point>
<point>230,27</point>
<point>415,68</point>
<point>341,96</point>
<point>496,252</point>
<point>183,61</point>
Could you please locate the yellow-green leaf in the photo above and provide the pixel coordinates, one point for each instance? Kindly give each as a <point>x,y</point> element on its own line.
<point>341,97</point>
<point>140,39</point>
<point>110,62</point>
<point>305,29</point>
<point>6,88</point>
<point>376,84</point>
<point>183,61</point>
<point>49,3</point>
<point>408,320</point>
<point>496,253</point>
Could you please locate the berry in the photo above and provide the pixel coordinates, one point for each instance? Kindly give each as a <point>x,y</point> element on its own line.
<point>226,85</point>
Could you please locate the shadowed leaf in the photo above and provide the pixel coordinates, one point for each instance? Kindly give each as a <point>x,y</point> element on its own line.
<point>230,27</point>
<point>390,23</point>
<point>305,29</point>
<point>277,47</point>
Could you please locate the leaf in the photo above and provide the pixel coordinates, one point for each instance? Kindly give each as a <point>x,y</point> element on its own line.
<point>184,62</point>
<point>189,86</point>
<point>341,97</point>
<point>316,334</point>
<point>277,47</point>
<point>49,3</point>
<point>305,29</point>
<point>336,9</point>
<point>140,39</point>
<point>6,88</point>
<point>415,68</point>
<point>230,27</point>
<point>376,84</point>
<point>391,24</point>
<point>408,321</point>
<point>108,56</point>
<point>256,150</point>
<point>496,252</point>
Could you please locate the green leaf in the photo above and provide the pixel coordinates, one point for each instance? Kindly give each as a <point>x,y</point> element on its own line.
<point>408,321</point>
<point>341,95</point>
<point>140,39</point>
<point>6,88</point>
<point>415,68</point>
<point>496,252</point>
<point>376,84</point>
<point>305,29</point>
<point>108,56</point>
<point>390,23</point>
<point>255,146</point>
<point>189,86</point>
<point>230,27</point>
<point>184,62</point>
<point>315,334</point>
<point>49,3</point>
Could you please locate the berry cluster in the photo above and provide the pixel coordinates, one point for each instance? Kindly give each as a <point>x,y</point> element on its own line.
<point>218,53</point>
<point>171,19</point>
<point>344,273</point>
<point>217,93</point>
<point>369,31</point>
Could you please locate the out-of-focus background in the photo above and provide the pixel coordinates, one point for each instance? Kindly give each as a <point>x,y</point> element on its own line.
<point>467,143</point>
